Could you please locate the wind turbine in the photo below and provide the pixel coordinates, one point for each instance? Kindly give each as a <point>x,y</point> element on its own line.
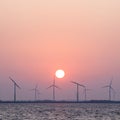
<point>77,84</point>
<point>36,91</point>
<point>110,89</point>
<point>15,85</point>
<point>85,92</point>
<point>53,86</point>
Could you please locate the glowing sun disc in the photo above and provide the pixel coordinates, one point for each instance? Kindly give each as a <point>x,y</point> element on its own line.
<point>60,73</point>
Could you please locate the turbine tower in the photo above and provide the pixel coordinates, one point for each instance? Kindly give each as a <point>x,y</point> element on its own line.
<point>53,86</point>
<point>110,88</point>
<point>77,85</point>
<point>38,94</point>
<point>15,85</point>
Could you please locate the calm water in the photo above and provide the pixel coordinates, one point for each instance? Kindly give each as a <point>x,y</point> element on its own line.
<point>59,111</point>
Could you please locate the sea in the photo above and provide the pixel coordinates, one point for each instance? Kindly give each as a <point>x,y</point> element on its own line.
<point>59,111</point>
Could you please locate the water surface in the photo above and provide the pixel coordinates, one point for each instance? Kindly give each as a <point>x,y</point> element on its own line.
<point>59,111</point>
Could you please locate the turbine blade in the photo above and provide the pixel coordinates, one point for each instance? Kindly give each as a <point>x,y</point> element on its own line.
<point>73,82</point>
<point>14,82</point>
<point>106,86</point>
<point>57,87</point>
<point>18,86</point>
<point>81,85</point>
<point>111,81</point>
<point>77,84</point>
<point>50,86</point>
<point>11,79</point>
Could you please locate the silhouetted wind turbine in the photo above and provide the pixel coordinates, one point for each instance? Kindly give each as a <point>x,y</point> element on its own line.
<point>110,89</point>
<point>77,84</point>
<point>53,86</point>
<point>15,85</point>
<point>85,92</point>
<point>36,91</point>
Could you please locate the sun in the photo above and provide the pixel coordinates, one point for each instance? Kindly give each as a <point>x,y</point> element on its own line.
<point>60,73</point>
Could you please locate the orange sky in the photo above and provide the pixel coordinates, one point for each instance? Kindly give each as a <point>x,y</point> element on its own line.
<point>39,36</point>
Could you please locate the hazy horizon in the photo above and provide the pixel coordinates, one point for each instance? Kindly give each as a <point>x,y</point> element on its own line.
<point>37,37</point>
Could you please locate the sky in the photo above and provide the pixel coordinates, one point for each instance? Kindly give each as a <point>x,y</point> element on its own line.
<point>37,37</point>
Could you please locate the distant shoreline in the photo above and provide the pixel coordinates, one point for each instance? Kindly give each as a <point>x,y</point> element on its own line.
<point>50,101</point>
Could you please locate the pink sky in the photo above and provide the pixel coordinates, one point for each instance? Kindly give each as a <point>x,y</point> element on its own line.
<point>37,37</point>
